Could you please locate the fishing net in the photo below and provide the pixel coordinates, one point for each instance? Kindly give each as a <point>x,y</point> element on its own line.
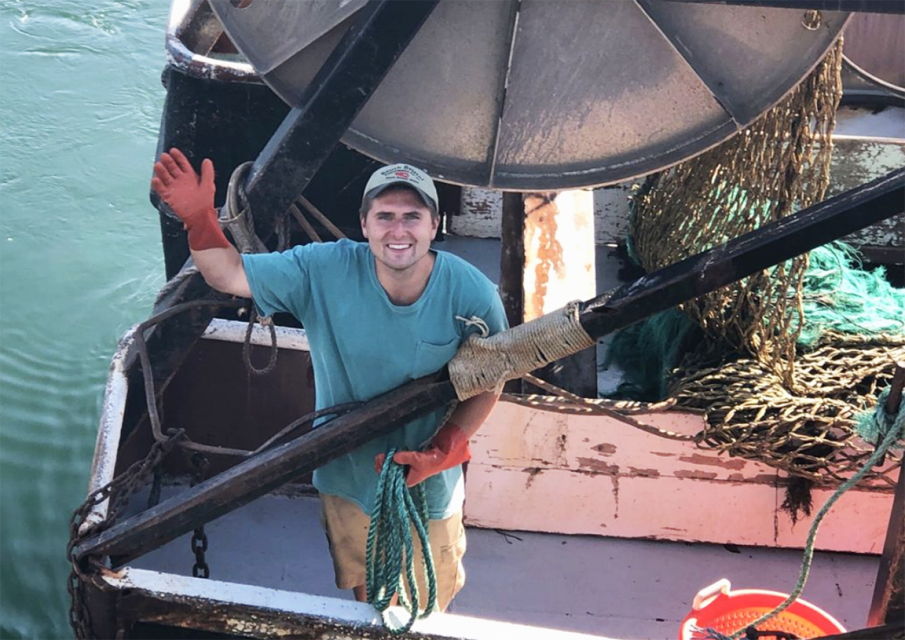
<point>772,168</point>
<point>782,362</point>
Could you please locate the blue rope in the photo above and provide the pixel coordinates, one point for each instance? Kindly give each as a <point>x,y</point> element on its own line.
<point>397,510</point>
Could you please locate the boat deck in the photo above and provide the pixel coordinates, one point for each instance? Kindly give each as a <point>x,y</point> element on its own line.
<point>610,587</point>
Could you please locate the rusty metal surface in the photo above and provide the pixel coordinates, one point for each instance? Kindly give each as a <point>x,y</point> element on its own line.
<point>548,94</point>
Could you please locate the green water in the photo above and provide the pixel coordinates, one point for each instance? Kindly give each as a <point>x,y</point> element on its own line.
<point>80,262</point>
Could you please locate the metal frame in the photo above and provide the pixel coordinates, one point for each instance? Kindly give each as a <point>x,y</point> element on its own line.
<point>855,6</point>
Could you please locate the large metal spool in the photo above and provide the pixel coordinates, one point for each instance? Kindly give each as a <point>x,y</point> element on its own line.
<point>875,49</point>
<point>548,94</point>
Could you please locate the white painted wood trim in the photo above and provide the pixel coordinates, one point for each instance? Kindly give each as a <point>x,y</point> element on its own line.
<point>358,616</point>
<point>109,429</point>
<point>234,331</point>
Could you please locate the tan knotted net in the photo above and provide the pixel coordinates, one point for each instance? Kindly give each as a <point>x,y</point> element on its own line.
<point>813,435</point>
<point>774,167</point>
<point>794,414</point>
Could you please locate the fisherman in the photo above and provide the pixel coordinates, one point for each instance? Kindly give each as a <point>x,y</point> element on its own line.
<point>377,315</point>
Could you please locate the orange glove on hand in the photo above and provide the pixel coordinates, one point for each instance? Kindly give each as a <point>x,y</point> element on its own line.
<point>191,198</point>
<point>448,448</point>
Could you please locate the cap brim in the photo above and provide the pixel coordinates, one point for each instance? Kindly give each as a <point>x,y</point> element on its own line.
<point>376,191</point>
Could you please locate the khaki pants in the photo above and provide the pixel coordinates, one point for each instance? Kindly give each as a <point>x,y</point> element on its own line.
<point>346,526</point>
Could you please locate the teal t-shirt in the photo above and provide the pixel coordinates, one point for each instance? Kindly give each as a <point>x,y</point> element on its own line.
<point>363,345</point>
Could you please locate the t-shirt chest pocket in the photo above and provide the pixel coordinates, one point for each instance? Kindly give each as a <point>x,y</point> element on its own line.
<point>430,357</point>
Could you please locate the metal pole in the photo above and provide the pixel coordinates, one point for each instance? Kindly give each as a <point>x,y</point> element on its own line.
<point>859,6</point>
<point>888,603</point>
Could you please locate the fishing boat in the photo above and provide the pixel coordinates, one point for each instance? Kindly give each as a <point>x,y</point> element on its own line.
<point>543,122</point>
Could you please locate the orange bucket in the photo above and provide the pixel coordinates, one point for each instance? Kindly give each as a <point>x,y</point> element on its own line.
<point>728,611</point>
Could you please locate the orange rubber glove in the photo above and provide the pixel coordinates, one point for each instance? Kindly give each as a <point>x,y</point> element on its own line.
<point>448,448</point>
<point>191,198</point>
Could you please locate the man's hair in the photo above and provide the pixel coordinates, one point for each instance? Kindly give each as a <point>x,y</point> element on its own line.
<point>367,201</point>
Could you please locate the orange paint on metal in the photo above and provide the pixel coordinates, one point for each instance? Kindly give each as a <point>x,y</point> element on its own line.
<point>540,224</point>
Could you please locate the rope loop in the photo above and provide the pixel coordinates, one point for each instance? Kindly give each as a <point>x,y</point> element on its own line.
<point>236,217</point>
<point>475,321</point>
<point>390,548</point>
<point>266,321</point>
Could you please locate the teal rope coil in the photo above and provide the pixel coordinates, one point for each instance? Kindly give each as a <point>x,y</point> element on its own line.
<point>880,428</point>
<point>390,545</point>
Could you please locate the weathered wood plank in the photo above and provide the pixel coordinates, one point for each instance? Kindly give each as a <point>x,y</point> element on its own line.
<point>521,437</point>
<point>257,612</point>
<point>567,473</point>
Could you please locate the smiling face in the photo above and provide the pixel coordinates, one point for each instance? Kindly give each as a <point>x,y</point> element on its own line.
<point>399,228</point>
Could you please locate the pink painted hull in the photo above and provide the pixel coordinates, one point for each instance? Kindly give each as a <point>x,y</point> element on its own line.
<point>538,470</point>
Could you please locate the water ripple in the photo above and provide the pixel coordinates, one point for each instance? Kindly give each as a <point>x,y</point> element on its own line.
<point>81,106</point>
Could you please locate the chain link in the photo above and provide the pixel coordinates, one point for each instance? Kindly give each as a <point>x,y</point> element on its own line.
<point>117,491</point>
<point>199,546</point>
<point>200,569</point>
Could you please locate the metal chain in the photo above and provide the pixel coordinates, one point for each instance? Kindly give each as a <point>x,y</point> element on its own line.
<point>199,546</point>
<point>117,491</point>
<point>200,466</point>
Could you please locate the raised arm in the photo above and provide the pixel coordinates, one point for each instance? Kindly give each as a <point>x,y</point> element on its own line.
<point>191,197</point>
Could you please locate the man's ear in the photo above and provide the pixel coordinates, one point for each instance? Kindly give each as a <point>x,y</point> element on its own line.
<point>435,224</point>
<point>364,231</point>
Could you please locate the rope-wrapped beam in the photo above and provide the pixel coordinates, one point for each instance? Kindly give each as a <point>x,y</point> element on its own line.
<point>484,364</point>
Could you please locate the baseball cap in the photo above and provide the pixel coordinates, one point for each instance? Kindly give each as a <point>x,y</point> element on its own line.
<point>403,174</point>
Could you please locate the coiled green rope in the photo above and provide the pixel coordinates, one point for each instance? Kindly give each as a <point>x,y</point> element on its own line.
<point>880,428</point>
<point>398,510</point>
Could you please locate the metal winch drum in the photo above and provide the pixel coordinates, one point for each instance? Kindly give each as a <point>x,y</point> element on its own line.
<point>875,49</point>
<point>548,94</point>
